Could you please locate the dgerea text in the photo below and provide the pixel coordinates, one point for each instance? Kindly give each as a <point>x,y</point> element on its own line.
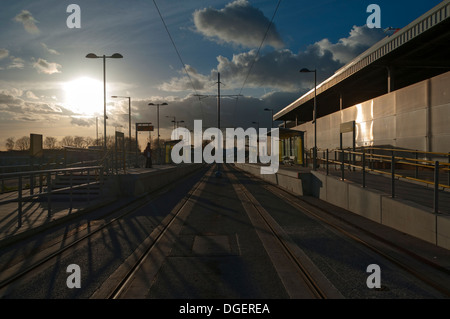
<point>227,308</point>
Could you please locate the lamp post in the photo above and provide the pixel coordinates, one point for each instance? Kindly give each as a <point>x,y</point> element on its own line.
<point>157,116</point>
<point>129,114</point>
<point>314,115</point>
<point>175,123</point>
<point>270,110</point>
<point>174,120</point>
<point>104,57</point>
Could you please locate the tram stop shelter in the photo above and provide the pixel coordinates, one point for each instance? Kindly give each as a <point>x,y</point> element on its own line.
<point>291,146</point>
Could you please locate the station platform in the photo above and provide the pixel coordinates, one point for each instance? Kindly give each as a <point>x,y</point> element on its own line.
<point>411,210</point>
<point>415,192</point>
<point>137,181</point>
<point>35,216</point>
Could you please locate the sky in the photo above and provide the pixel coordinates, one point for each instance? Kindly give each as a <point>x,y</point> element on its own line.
<point>172,53</point>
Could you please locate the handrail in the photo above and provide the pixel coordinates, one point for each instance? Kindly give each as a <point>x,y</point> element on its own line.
<point>49,191</point>
<point>407,151</point>
<point>352,163</point>
<point>57,170</point>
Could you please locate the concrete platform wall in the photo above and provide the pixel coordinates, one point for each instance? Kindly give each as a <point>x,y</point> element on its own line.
<point>140,184</point>
<point>405,216</point>
<point>287,179</point>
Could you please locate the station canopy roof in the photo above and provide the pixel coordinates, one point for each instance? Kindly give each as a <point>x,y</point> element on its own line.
<point>417,52</point>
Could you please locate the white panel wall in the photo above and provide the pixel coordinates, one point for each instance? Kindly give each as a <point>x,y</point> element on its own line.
<point>415,117</point>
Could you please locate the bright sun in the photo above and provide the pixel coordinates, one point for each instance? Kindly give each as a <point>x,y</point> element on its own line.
<point>84,96</point>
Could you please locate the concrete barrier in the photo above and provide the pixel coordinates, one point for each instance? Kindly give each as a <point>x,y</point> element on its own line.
<point>402,215</point>
<point>409,218</point>
<point>145,182</point>
<point>286,179</point>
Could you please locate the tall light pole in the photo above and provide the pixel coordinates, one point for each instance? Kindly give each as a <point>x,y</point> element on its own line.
<point>314,115</point>
<point>157,110</point>
<point>104,57</point>
<point>129,114</point>
<point>175,123</point>
<point>270,110</point>
<point>174,120</point>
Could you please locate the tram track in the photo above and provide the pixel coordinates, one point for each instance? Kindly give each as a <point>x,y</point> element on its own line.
<point>436,276</point>
<point>120,281</point>
<point>301,279</point>
<point>317,285</point>
<point>75,237</point>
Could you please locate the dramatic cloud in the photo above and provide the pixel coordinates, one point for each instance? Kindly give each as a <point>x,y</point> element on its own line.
<point>81,121</point>
<point>31,95</point>
<point>360,39</point>
<point>279,69</point>
<point>29,23</point>
<point>16,63</point>
<point>195,80</point>
<point>42,66</point>
<point>51,51</point>
<point>238,23</point>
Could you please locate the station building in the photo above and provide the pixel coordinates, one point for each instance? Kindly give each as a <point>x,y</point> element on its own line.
<point>397,94</point>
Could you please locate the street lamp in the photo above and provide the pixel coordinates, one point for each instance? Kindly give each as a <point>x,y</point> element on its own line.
<point>157,108</point>
<point>270,110</point>
<point>174,119</point>
<point>129,113</point>
<point>104,57</point>
<point>314,115</point>
<point>175,123</point>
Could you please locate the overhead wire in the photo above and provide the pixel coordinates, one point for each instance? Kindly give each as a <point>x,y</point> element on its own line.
<point>260,46</point>
<point>177,51</point>
<point>259,49</point>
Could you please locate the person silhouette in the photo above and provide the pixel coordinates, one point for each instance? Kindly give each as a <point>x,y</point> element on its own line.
<point>148,156</point>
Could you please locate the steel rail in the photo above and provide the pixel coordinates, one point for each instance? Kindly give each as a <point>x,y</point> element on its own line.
<point>156,236</point>
<point>122,211</point>
<point>309,279</point>
<point>308,208</point>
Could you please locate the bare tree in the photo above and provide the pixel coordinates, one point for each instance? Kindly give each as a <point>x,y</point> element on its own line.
<point>89,141</point>
<point>67,141</point>
<point>50,142</point>
<point>78,141</point>
<point>10,143</point>
<point>23,143</point>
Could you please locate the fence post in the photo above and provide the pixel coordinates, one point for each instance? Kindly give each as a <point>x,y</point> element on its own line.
<point>448,170</point>
<point>19,211</point>
<point>393,174</point>
<point>417,167</point>
<point>88,185</point>
<point>364,168</point>
<point>31,184</point>
<point>335,160</point>
<point>327,161</point>
<point>342,165</point>
<point>71,190</point>
<point>436,187</point>
<point>49,192</point>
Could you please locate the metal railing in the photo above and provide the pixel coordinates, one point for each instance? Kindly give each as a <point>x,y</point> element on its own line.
<point>427,168</point>
<point>44,186</point>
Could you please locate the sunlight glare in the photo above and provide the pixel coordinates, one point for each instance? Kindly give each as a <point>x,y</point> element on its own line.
<point>84,96</point>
